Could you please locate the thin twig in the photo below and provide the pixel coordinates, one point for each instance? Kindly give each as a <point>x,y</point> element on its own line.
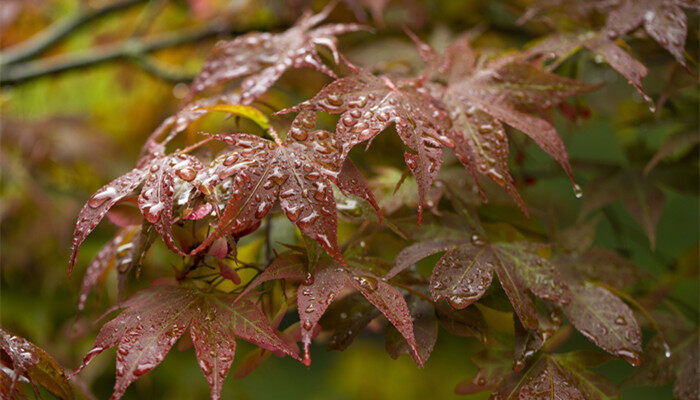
<point>127,50</point>
<point>58,31</point>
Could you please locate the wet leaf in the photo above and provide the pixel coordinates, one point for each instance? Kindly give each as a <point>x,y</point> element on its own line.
<point>465,271</point>
<point>30,363</point>
<point>261,58</point>
<point>325,282</point>
<point>663,20</point>
<point>298,172</point>
<point>368,104</point>
<point>155,318</point>
<point>605,320</point>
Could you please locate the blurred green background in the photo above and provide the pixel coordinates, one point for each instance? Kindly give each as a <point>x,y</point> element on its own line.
<point>65,135</point>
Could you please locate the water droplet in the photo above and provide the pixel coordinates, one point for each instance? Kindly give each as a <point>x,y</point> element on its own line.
<point>309,280</point>
<point>367,282</point>
<point>186,174</point>
<point>477,240</point>
<point>99,198</point>
<point>578,192</point>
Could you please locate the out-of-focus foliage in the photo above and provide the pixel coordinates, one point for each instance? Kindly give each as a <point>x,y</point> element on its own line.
<point>614,267</point>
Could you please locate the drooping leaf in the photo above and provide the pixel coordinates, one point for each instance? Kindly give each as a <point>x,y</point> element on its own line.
<point>155,318</point>
<point>605,320</point>
<point>480,96</point>
<point>97,206</point>
<point>559,46</point>
<point>663,20</point>
<point>30,363</point>
<point>120,250</point>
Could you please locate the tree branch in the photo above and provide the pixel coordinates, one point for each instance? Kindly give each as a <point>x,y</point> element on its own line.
<point>130,49</point>
<point>53,34</point>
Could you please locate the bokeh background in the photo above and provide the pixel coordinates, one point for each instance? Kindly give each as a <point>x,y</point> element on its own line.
<point>64,135</point>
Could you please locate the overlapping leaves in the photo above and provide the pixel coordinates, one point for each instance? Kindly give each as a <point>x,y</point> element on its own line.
<point>464,113</point>
<point>325,281</point>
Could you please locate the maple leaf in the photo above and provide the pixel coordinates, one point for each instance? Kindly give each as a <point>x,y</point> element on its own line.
<point>155,318</point>
<point>639,194</point>
<point>28,362</point>
<point>325,281</point>
<point>261,58</point>
<point>550,376</point>
<point>480,95</point>
<point>557,47</point>
<point>99,203</point>
<point>298,172</point>
<point>663,20</point>
<point>465,271</point>
<point>161,173</point>
<point>369,104</point>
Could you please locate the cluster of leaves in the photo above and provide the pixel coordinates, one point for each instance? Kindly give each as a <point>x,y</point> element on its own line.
<point>464,99</point>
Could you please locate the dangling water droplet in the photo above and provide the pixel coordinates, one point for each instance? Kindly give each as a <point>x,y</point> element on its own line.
<point>667,349</point>
<point>578,192</point>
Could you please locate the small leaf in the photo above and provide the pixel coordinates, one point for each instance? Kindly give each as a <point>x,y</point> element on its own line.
<point>249,112</point>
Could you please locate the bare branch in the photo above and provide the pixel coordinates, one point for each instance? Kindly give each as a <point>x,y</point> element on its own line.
<point>53,34</point>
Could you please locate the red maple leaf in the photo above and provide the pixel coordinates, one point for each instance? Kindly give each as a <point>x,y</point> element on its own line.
<point>298,172</point>
<point>324,282</point>
<point>155,318</point>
